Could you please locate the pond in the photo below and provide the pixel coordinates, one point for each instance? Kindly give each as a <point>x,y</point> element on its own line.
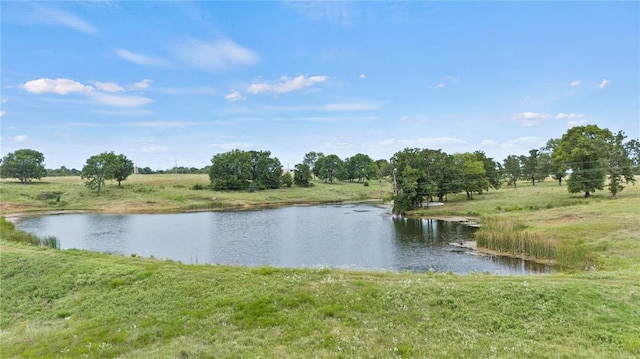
<point>356,236</point>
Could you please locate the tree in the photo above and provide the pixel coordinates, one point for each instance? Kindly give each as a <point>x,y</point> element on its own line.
<point>544,166</point>
<point>97,169</point>
<point>302,175</point>
<point>619,164</point>
<point>329,167</point>
<point>25,165</point>
<point>230,171</point>
<point>310,160</point>
<point>558,170</point>
<point>512,170</point>
<point>360,167</point>
<point>530,166</point>
<point>633,149</point>
<point>583,150</point>
<point>237,170</point>
<point>384,168</point>
<point>121,168</point>
<point>493,169</point>
<point>286,180</point>
<point>473,175</point>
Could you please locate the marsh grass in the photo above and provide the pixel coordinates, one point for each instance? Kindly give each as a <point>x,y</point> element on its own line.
<point>9,232</point>
<point>507,236</point>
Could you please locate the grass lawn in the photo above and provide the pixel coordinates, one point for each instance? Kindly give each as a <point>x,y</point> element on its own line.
<point>74,304</point>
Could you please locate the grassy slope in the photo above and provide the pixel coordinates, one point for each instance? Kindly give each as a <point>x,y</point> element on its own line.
<point>75,304</point>
<point>72,303</point>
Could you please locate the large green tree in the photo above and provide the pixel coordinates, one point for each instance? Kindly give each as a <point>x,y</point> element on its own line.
<point>302,175</point>
<point>558,169</point>
<point>530,166</point>
<point>121,168</point>
<point>512,170</point>
<point>473,175</point>
<point>619,164</point>
<point>329,168</point>
<point>588,151</point>
<point>237,170</point>
<point>310,160</point>
<point>97,169</point>
<point>25,165</point>
<point>494,170</point>
<point>360,167</point>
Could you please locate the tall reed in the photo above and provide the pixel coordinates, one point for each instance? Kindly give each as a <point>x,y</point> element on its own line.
<point>512,237</point>
<point>9,232</point>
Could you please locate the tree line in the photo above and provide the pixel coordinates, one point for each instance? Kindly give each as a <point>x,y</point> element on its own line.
<point>585,155</point>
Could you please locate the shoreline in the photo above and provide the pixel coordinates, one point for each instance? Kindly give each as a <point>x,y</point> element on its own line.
<point>467,221</point>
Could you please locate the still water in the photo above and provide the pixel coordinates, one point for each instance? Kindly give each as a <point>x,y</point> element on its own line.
<point>347,236</point>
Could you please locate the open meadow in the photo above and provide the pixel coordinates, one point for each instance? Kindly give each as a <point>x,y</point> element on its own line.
<point>72,304</point>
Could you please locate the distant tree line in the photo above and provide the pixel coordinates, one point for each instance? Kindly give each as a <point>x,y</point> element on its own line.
<point>586,156</point>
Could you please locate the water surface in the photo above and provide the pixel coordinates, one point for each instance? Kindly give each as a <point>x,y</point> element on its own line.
<point>352,236</point>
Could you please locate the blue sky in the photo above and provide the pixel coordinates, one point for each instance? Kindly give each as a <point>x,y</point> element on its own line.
<point>167,82</point>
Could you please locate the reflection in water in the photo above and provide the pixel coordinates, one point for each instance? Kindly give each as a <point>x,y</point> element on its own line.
<point>353,236</point>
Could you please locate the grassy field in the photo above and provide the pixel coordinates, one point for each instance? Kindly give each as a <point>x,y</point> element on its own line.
<point>169,192</point>
<point>73,304</point>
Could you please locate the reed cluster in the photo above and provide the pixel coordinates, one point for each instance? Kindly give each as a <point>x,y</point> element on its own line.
<point>513,237</point>
<point>9,232</point>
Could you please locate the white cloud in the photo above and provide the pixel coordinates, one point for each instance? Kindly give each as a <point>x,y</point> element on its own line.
<point>330,107</point>
<point>338,145</point>
<point>109,87</point>
<point>140,59</point>
<point>58,86</point>
<point>218,55</point>
<point>126,112</point>
<point>533,119</point>
<point>575,83</point>
<point>20,138</point>
<point>362,76</point>
<point>440,86</point>
<point>142,84</point>
<point>604,83</point>
<point>518,145</point>
<point>2,113</point>
<point>577,123</point>
<point>426,142</point>
<point>569,116</point>
<point>488,144</point>
<point>286,84</point>
<point>121,100</point>
<point>50,16</point>
<point>234,96</point>
<point>532,116</point>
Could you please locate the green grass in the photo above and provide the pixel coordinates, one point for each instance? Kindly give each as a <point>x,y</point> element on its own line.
<point>579,233</point>
<point>78,304</point>
<point>169,192</point>
<point>75,304</point>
